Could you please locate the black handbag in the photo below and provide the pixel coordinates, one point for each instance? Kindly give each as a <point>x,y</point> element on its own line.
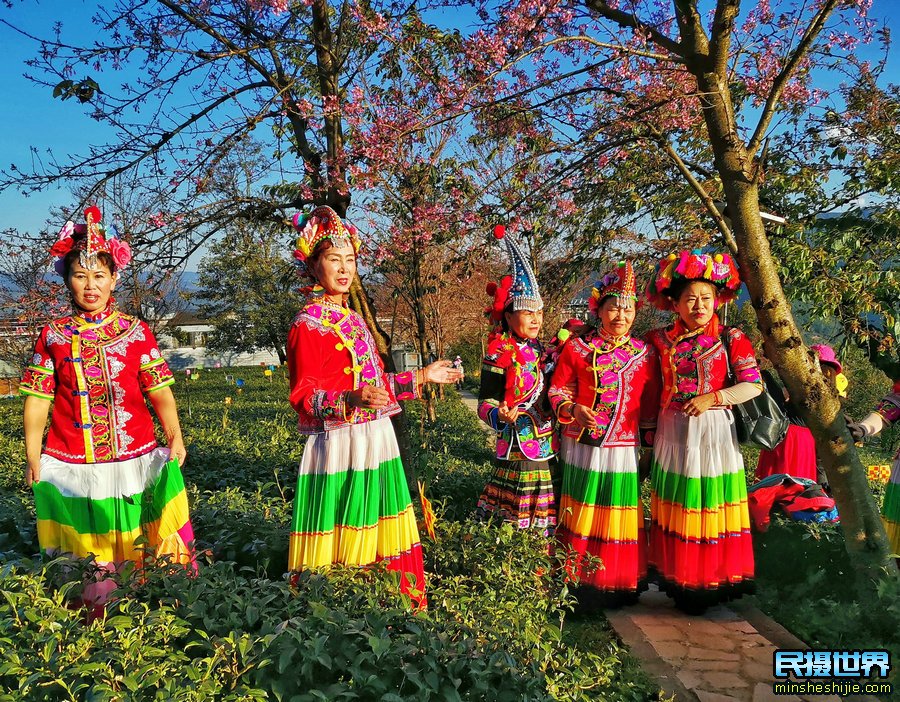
<point>759,421</point>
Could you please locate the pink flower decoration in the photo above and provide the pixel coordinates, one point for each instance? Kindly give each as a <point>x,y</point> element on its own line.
<point>67,230</point>
<point>683,347</point>
<point>368,371</point>
<point>609,378</point>
<point>621,354</point>
<point>502,447</point>
<point>686,367</point>
<point>120,252</point>
<point>706,341</point>
<point>609,396</point>
<point>530,448</point>
<point>604,359</point>
<point>602,419</point>
<point>687,386</point>
<point>361,347</point>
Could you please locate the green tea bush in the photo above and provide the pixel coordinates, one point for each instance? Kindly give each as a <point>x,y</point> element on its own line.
<point>496,626</point>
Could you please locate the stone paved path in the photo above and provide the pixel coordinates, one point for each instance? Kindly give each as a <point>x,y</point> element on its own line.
<point>725,655</point>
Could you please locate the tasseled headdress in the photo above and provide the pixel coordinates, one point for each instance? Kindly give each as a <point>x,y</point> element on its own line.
<point>718,269</point>
<point>89,239</point>
<point>519,291</point>
<point>619,283</point>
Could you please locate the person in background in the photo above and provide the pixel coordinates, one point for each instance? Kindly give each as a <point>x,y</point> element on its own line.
<point>796,455</point>
<point>352,503</point>
<point>885,414</point>
<point>512,400</point>
<point>605,393</point>
<point>458,365</point>
<point>700,542</point>
<point>101,482</point>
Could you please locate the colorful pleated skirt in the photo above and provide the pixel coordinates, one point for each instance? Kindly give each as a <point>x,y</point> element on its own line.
<point>601,517</point>
<point>353,506</point>
<point>700,542</point>
<point>795,456</point>
<point>519,492</point>
<point>890,508</point>
<point>101,509</point>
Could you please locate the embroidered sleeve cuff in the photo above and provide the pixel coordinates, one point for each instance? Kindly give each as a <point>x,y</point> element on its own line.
<point>329,404</point>
<point>889,409</point>
<point>39,382</point>
<point>405,386</point>
<point>155,376</point>
<point>558,410</point>
<point>489,414</point>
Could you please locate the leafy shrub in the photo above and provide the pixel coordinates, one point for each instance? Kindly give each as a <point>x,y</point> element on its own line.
<point>496,626</point>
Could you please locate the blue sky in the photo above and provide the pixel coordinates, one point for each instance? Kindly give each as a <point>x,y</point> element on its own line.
<point>32,117</point>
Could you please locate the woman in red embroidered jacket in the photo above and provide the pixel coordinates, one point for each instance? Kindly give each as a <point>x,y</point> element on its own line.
<point>605,393</point>
<point>352,504</point>
<point>512,400</point>
<point>700,542</point>
<point>101,480</point>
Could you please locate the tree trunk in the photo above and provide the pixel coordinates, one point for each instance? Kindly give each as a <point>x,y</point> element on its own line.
<point>864,534</point>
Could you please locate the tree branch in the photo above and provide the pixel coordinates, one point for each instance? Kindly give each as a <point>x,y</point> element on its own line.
<point>630,21</point>
<point>778,85</point>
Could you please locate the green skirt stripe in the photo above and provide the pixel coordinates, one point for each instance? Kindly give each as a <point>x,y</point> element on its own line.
<point>698,493</point>
<point>100,516</point>
<point>84,515</point>
<point>618,489</point>
<point>890,508</point>
<point>163,490</point>
<point>353,498</point>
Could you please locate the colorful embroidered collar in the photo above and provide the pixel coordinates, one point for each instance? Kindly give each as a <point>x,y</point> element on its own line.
<point>95,317</point>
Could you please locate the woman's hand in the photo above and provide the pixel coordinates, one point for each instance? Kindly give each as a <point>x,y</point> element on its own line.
<point>368,397</point>
<point>507,415</point>
<point>441,372</point>
<point>585,416</point>
<point>698,405</point>
<point>32,472</point>
<point>178,450</point>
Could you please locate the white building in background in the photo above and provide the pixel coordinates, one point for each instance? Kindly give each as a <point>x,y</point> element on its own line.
<point>182,340</point>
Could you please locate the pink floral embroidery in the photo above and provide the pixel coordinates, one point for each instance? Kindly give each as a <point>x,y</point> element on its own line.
<point>530,448</point>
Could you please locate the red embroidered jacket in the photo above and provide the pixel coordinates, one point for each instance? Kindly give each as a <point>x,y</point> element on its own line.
<point>331,352</point>
<point>695,363</point>
<point>514,371</point>
<point>97,372</point>
<point>617,378</point>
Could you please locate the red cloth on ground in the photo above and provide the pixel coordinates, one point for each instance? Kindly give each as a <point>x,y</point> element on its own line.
<point>795,456</point>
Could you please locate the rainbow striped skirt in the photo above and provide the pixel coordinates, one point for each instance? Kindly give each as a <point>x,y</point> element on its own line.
<point>353,507</point>
<point>101,509</point>
<point>520,492</point>
<point>601,519</point>
<point>700,541</point>
<point>890,508</point>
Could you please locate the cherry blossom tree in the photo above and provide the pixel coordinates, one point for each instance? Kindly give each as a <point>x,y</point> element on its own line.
<point>604,87</point>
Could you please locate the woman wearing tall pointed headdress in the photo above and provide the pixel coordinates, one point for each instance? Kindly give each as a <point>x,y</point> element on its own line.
<point>101,481</point>
<point>512,400</point>
<point>605,393</point>
<point>700,542</point>
<point>352,504</point>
